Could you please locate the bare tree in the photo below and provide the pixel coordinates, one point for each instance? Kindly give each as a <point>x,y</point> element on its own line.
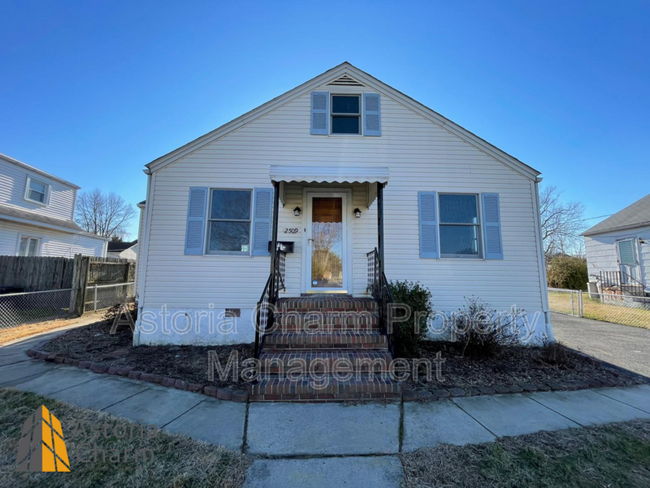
<point>106,215</point>
<point>562,222</point>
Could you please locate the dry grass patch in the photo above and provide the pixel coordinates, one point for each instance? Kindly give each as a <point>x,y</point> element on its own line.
<point>26,330</point>
<point>613,456</point>
<point>178,461</point>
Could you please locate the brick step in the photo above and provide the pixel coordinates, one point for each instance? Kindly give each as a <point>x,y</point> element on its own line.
<point>324,361</point>
<point>327,303</point>
<point>360,387</point>
<point>326,322</point>
<point>331,340</point>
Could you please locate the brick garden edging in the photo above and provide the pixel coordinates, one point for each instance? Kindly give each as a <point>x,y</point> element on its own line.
<point>408,395</point>
<point>227,394</point>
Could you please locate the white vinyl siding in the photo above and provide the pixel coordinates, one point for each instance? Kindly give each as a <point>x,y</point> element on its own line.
<point>52,242</point>
<point>59,202</point>
<point>602,252</point>
<point>420,155</point>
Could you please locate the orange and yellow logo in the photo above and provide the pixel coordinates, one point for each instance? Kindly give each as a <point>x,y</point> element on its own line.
<point>41,446</point>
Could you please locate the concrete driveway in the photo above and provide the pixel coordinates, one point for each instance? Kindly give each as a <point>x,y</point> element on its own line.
<point>622,345</point>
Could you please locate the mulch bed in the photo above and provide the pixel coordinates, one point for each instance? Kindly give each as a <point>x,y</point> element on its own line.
<point>188,363</point>
<point>515,370</point>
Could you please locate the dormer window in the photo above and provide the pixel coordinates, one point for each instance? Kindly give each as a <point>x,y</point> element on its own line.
<point>346,115</point>
<point>37,191</point>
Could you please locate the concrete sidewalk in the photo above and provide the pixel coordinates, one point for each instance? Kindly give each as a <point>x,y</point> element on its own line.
<point>368,435</point>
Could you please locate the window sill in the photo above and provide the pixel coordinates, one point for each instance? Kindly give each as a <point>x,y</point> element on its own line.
<point>41,204</point>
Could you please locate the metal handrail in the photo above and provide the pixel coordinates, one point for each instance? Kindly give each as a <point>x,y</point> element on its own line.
<point>380,290</point>
<point>269,300</point>
<point>621,280</point>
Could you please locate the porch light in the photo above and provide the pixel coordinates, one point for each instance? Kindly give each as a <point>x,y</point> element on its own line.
<point>297,211</point>
<point>357,213</point>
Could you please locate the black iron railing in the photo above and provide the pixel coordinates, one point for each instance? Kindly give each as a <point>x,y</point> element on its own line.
<point>269,300</point>
<point>623,281</point>
<point>380,291</point>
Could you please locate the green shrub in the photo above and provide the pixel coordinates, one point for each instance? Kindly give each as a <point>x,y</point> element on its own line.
<point>408,334</point>
<point>568,272</point>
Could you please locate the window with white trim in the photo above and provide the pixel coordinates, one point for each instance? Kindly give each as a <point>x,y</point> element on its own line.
<point>29,246</point>
<point>346,114</point>
<point>460,226</point>
<point>229,222</point>
<point>37,191</point>
<point>626,252</point>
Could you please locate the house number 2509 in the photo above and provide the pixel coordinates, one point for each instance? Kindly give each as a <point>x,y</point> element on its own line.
<point>290,230</point>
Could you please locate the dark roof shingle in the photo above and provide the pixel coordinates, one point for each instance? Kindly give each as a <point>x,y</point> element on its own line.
<point>631,217</point>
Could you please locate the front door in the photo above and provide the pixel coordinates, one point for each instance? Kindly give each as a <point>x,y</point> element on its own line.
<point>326,243</point>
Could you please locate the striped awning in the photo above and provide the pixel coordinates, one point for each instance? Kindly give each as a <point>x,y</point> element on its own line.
<point>371,175</point>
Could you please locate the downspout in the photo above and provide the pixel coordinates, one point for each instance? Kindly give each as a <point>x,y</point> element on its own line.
<point>143,244</point>
<point>542,262</point>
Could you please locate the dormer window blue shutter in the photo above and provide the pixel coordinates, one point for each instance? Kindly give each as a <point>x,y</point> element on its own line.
<point>492,226</point>
<point>197,208</point>
<point>262,215</point>
<point>320,113</point>
<point>428,213</point>
<point>371,114</point>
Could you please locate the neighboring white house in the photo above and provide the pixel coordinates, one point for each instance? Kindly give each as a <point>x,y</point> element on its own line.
<point>123,250</point>
<point>343,152</point>
<point>618,248</point>
<point>37,214</point>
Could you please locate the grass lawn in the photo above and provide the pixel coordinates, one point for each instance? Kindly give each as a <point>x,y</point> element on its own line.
<point>613,456</point>
<point>594,309</point>
<point>178,461</point>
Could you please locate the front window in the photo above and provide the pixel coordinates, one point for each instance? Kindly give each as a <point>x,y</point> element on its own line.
<point>229,226</point>
<point>346,115</point>
<point>28,246</point>
<point>459,226</point>
<point>36,191</point>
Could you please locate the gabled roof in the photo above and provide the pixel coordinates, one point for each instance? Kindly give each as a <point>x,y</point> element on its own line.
<point>120,246</point>
<point>631,217</point>
<point>334,75</point>
<point>31,169</point>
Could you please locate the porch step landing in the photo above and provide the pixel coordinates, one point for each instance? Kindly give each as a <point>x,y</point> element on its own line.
<point>325,349</point>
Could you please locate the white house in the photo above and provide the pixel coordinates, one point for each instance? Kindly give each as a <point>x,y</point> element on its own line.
<point>618,249</point>
<point>37,214</point>
<point>123,250</point>
<point>331,170</point>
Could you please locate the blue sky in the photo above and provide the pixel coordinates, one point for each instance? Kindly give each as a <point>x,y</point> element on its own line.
<point>92,91</point>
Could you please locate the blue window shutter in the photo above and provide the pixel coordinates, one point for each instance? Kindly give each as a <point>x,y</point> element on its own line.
<point>197,208</point>
<point>320,113</point>
<point>428,205</point>
<point>262,214</point>
<point>371,114</point>
<point>492,226</point>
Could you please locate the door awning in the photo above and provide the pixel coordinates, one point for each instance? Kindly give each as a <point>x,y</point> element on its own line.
<point>371,176</point>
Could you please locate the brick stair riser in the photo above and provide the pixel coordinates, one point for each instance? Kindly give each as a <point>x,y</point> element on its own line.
<point>326,397</point>
<point>324,347</point>
<point>325,340</point>
<point>315,324</point>
<point>285,390</point>
<point>287,368</point>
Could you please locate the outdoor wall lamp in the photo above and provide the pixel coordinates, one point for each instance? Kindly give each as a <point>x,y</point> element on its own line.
<point>297,211</point>
<point>357,213</point>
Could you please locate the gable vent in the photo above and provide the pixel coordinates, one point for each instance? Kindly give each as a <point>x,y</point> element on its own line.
<point>345,80</point>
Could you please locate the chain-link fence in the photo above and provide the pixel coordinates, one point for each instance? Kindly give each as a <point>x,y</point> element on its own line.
<point>609,307</point>
<point>99,297</point>
<point>21,308</point>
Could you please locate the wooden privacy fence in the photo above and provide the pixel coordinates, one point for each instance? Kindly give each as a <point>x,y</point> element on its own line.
<point>96,271</point>
<point>21,273</point>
